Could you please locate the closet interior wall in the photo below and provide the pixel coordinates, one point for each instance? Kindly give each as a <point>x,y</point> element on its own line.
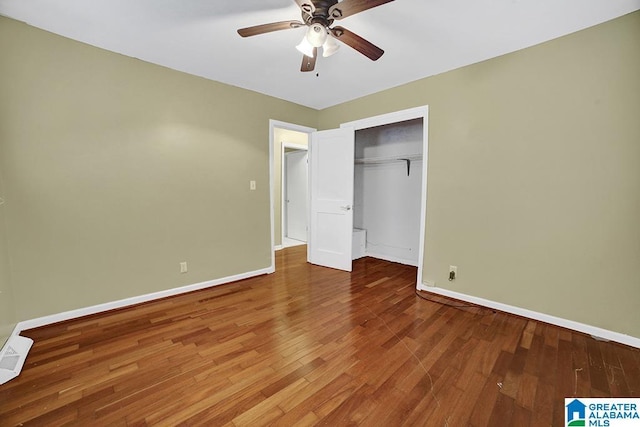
<point>387,190</point>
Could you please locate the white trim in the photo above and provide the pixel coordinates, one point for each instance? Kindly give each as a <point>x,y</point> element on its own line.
<point>284,146</point>
<point>273,124</point>
<point>383,119</point>
<point>391,258</point>
<point>73,314</point>
<point>401,116</point>
<point>16,331</point>
<point>542,317</point>
<point>278,248</point>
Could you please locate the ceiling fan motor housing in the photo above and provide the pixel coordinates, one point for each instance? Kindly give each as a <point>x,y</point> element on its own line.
<point>319,14</point>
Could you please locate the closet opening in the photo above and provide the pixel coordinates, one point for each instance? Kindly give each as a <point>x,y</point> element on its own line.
<point>368,190</point>
<point>388,180</point>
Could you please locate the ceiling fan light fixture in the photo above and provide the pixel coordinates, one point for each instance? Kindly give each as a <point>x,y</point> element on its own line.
<point>305,47</point>
<point>316,34</point>
<point>330,47</point>
<point>318,16</point>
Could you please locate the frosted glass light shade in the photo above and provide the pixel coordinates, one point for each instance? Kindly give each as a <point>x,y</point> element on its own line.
<point>330,47</point>
<point>316,35</point>
<point>305,47</point>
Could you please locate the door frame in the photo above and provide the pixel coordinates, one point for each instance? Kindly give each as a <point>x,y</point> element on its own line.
<point>421,112</point>
<point>283,184</point>
<point>273,125</point>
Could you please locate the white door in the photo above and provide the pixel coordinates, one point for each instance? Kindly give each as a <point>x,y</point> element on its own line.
<point>296,200</point>
<point>331,194</point>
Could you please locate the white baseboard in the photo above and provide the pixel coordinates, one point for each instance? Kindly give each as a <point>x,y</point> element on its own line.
<point>558,321</point>
<point>73,314</point>
<point>278,247</point>
<point>391,258</point>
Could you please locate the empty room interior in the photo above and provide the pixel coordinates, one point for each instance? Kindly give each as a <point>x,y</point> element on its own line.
<point>148,190</point>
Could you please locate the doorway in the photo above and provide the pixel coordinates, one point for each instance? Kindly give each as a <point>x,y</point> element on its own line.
<point>279,133</point>
<point>294,194</point>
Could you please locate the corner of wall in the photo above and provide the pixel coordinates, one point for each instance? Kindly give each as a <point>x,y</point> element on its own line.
<point>7,311</point>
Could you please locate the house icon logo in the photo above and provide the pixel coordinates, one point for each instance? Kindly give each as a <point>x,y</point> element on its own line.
<point>576,413</point>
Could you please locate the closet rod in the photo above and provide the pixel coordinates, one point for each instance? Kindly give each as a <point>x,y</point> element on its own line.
<point>382,160</point>
<point>388,159</point>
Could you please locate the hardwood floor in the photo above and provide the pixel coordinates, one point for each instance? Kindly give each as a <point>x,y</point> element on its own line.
<point>309,345</point>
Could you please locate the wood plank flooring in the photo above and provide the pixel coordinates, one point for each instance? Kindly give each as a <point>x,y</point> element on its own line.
<point>306,346</point>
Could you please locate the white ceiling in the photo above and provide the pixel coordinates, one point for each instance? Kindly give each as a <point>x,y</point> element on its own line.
<point>420,38</point>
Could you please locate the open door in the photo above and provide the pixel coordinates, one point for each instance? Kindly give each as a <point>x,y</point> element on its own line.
<point>331,198</point>
<point>296,198</point>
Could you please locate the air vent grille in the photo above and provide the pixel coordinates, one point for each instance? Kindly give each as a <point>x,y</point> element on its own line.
<point>10,359</point>
<point>13,356</point>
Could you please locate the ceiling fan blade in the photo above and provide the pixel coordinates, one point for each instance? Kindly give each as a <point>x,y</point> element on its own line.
<point>351,7</point>
<point>309,63</point>
<point>363,46</point>
<point>307,6</point>
<point>267,28</point>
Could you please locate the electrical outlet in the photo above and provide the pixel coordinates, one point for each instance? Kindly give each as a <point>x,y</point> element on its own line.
<point>183,267</point>
<point>453,272</point>
<point>252,185</point>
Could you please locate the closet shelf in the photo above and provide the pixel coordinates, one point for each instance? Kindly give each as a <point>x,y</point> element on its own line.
<point>381,160</point>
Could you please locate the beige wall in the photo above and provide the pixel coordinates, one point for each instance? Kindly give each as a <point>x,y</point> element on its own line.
<point>534,175</point>
<point>117,170</point>
<point>7,313</point>
<point>279,136</point>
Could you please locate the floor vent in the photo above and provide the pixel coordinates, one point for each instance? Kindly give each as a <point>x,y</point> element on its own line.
<point>12,357</point>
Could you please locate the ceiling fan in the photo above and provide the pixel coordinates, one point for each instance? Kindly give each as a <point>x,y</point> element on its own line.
<point>318,16</point>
